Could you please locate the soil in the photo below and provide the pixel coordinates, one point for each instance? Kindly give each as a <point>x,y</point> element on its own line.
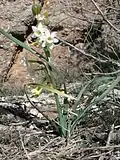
<point>80,24</point>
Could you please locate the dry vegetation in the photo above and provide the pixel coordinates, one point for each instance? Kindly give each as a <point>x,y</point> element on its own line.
<point>90,30</point>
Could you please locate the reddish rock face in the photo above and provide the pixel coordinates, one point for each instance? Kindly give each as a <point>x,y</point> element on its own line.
<point>18,75</point>
<point>68,18</point>
<point>17,16</point>
<point>22,72</point>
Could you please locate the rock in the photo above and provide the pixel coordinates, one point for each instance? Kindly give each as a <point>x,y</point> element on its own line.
<point>16,16</point>
<point>18,74</point>
<point>6,53</point>
<point>73,21</point>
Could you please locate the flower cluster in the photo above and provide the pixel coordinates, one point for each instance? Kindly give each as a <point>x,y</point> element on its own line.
<point>44,36</point>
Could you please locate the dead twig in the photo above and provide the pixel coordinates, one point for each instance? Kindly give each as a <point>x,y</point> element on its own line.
<point>101,74</point>
<point>100,148</point>
<point>34,106</point>
<point>54,124</point>
<point>34,153</point>
<point>101,156</point>
<point>89,55</point>
<point>110,135</point>
<point>105,19</point>
<point>23,146</point>
<point>19,124</point>
<point>81,51</point>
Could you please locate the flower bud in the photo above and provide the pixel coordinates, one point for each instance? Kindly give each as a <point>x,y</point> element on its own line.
<point>36,9</point>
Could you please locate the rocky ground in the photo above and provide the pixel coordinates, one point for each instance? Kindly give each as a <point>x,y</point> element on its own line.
<point>83,25</point>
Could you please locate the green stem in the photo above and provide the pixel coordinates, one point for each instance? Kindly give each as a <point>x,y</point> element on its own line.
<point>53,82</point>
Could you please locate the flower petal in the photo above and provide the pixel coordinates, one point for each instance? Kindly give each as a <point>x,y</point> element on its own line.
<point>40,26</point>
<point>55,40</point>
<point>53,34</point>
<point>43,44</point>
<point>34,28</point>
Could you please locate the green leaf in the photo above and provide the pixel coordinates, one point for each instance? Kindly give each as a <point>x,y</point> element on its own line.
<point>21,44</point>
<point>113,84</point>
<point>47,51</point>
<point>53,90</point>
<point>80,95</point>
<point>18,42</point>
<point>96,101</point>
<point>37,91</point>
<point>46,14</point>
<point>36,9</point>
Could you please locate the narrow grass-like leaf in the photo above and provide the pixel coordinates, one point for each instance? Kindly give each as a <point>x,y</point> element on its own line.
<point>80,95</point>
<point>79,118</point>
<point>113,84</point>
<point>37,91</point>
<point>53,90</point>
<point>65,113</point>
<point>20,43</point>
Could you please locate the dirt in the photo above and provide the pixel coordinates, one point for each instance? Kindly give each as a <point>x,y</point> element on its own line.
<point>20,26</point>
<point>72,21</point>
<point>80,24</point>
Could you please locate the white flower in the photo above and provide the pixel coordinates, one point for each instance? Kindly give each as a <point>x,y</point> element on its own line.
<point>39,29</point>
<point>47,38</point>
<point>44,36</point>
